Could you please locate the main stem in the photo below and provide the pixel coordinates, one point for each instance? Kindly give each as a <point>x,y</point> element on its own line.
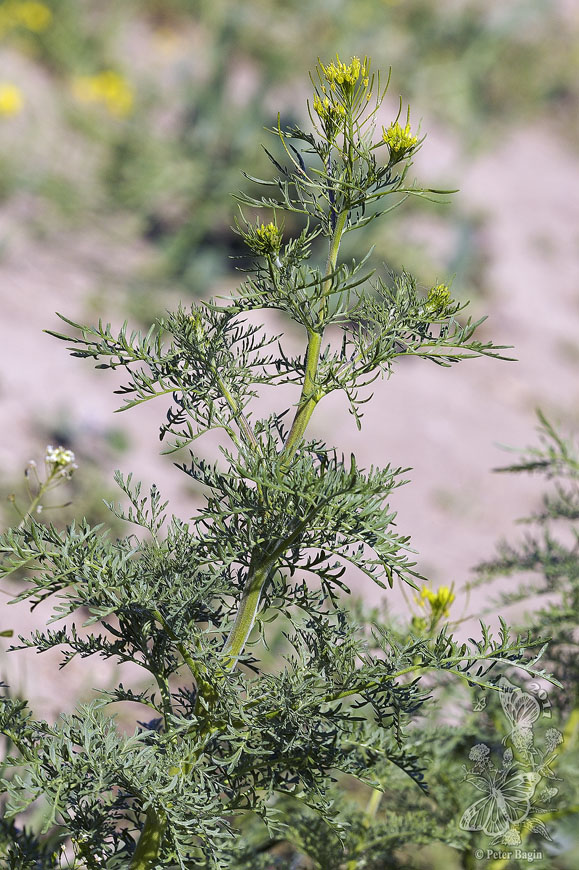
<point>310,397</point>
<point>260,568</point>
<point>147,851</point>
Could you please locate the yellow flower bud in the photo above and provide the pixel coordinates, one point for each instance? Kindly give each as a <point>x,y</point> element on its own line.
<point>438,300</point>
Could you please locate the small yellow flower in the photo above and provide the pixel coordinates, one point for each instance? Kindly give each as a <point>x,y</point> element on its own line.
<point>399,140</point>
<point>108,88</point>
<point>11,101</point>
<point>326,109</point>
<point>445,597</point>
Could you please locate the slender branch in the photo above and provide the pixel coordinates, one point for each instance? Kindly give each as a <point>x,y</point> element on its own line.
<point>189,661</point>
<point>43,489</point>
<point>240,417</point>
<point>165,696</point>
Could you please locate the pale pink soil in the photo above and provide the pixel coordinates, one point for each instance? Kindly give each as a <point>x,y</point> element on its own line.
<point>445,424</point>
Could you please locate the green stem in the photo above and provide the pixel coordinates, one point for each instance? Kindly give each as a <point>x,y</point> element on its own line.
<point>310,397</point>
<point>245,617</point>
<point>37,498</point>
<point>259,570</point>
<point>165,697</point>
<point>372,806</point>
<point>369,816</point>
<point>147,851</point>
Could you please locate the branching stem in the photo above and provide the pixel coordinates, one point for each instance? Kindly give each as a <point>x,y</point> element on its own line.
<point>260,568</point>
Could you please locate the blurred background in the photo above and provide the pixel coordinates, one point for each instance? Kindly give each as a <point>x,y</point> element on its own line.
<point>124,127</point>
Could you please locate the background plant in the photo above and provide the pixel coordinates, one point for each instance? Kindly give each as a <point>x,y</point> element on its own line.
<point>548,559</point>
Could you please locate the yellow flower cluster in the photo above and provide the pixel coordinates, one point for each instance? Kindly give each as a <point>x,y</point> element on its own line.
<point>439,601</point>
<point>11,101</point>
<point>399,139</point>
<point>268,239</point>
<point>345,74</point>
<point>108,88</point>
<point>27,14</point>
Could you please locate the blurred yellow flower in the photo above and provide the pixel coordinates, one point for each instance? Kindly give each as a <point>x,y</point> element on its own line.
<point>439,601</point>
<point>11,101</point>
<point>108,88</point>
<point>29,14</point>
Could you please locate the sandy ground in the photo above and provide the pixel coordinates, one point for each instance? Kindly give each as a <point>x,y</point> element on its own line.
<point>444,424</point>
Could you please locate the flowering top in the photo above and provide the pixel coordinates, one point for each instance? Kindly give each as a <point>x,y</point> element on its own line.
<point>438,300</point>
<point>342,73</point>
<point>196,322</point>
<point>399,139</point>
